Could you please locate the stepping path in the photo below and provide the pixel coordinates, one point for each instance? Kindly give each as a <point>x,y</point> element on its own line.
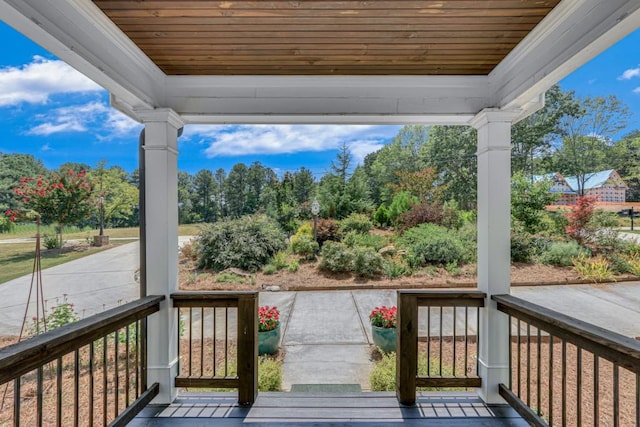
<point>326,335</point>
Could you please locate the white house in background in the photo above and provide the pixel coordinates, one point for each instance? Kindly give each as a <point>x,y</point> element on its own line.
<point>607,185</point>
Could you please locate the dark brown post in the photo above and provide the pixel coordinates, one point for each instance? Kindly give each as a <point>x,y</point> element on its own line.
<point>407,354</point>
<point>247,349</point>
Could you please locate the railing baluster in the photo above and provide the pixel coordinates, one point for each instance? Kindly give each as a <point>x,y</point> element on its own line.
<point>104,380</point>
<point>616,395</point>
<point>215,367</point>
<point>466,341</point>
<point>550,380</point>
<point>59,392</point>
<point>579,386</point>
<point>428,340</point>
<point>637,398</point>
<point>201,341</point>
<point>564,382</point>
<point>190,341</point>
<point>226,342</point>
<point>596,390</point>
<point>76,389</point>
<point>528,364</point>
<point>39,396</point>
<point>477,340</point>
<point>116,375</point>
<point>91,380</point>
<point>127,383</point>
<point>440,346</point>
<point>454,342</point>
<point>510,354</point>
<point>16,401</point>
<point>518,377</point>
<point>538,373</point>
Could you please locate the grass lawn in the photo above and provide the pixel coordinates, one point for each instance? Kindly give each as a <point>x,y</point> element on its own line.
<point>73,233</point>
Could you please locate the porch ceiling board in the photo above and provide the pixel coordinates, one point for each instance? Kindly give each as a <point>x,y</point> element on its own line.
<point>327,37</point>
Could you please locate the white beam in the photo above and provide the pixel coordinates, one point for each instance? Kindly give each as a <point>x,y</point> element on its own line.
<point>573,33</point>
<point>77,32</point>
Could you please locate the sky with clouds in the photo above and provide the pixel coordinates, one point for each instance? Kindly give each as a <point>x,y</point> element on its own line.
<point>53,112</point>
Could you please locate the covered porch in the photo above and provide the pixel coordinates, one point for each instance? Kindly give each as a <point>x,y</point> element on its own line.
<point>168,64</point>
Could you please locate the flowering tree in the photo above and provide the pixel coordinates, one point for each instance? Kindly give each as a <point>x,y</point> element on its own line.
<point>63,199</point>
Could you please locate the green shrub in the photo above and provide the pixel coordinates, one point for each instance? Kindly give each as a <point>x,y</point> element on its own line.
<point>562,253</point>
<point>357,222</point>
<point>50,242</point>
<point>430,243</point>
<point>269,374</point>
<point>226,277</point>
<point>247,243</point>
<point>521,250</point>
<point>401,203</point>
<point>354,239</point>
<point>305,246</point>
<point>381,217</point>
<point>395,268</point>
<point>336,257</point>
<point>383,374</point>
<point>279,260</point>
<point>305,230</point>
<point>294,265</point>
<point>6,226</point>
<point>367,262</point>
<point>59,315</point>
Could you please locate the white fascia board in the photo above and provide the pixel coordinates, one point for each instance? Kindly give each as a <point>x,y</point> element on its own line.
<point>326,99</point>
<point>574,32</point>
<point>78,32</point>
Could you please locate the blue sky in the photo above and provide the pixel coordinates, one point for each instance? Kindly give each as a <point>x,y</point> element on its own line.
<point>49,110</point>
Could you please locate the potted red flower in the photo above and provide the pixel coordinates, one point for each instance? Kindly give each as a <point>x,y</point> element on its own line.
<point>268,330</point>
<point>383,327</point>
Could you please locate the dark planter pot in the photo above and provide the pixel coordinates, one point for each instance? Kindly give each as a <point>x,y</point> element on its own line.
<point>384,338</point>
<point>268,341</point>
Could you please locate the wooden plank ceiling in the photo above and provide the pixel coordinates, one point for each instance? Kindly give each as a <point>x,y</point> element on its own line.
<point>326,37</point>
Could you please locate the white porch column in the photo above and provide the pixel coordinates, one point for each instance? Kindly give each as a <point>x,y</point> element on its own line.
<point>161,177</point>
<point>494,253</point>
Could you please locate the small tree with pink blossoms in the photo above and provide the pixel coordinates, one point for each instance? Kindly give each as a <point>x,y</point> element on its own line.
<point>63,200</point>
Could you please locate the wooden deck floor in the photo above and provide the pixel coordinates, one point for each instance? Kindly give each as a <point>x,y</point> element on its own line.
<point>345,409</point>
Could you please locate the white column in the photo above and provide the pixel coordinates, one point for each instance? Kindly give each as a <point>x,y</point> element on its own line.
<point>161,177</point>
<point>494,253</point>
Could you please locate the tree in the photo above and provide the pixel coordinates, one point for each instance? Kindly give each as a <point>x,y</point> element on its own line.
<point>401,154</point>
<point>186,214</point>
<point>421,184</point>
<point>624,157</point>
<point>13,167</point>
<point>203,185</point>
<point>528,202</point>
<point>303,185</point>
<point>587,136</point>
<point>63,199</point>
<point>451,150</point>
<point>236,190</point>
<point>119,196</point>
<point>531,137</point>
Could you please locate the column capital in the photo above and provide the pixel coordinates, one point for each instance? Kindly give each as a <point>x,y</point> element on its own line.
<point>161,115</point>
<point>494,115</point>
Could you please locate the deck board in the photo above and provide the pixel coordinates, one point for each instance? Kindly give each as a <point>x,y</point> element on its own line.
<point>338,409</point>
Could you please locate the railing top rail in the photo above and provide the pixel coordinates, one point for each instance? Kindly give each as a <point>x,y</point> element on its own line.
<point>211,299</point>
<point>22,357</point>
<point>607,344</point>
<point>468,298</point>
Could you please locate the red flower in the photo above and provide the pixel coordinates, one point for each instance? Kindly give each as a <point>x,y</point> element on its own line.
<point>384,317</point>
<point>268,318</point>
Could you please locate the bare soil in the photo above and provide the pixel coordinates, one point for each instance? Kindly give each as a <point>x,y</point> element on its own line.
<point>309,277</point>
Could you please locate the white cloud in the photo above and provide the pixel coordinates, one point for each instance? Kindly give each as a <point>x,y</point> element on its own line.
<point>45,147</point>
<point>95,117</point>
<point>630,73</point>
<point>282,139</point>
<point>637,90</point>
<point>35,82</point>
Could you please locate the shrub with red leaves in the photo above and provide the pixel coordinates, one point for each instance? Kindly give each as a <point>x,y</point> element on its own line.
<point>327,229</point>
<point>425,213</point>
<point>579,217</point>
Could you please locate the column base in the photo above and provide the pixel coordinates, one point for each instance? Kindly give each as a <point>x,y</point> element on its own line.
<point>165,377</point>
<point>492,376</point>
